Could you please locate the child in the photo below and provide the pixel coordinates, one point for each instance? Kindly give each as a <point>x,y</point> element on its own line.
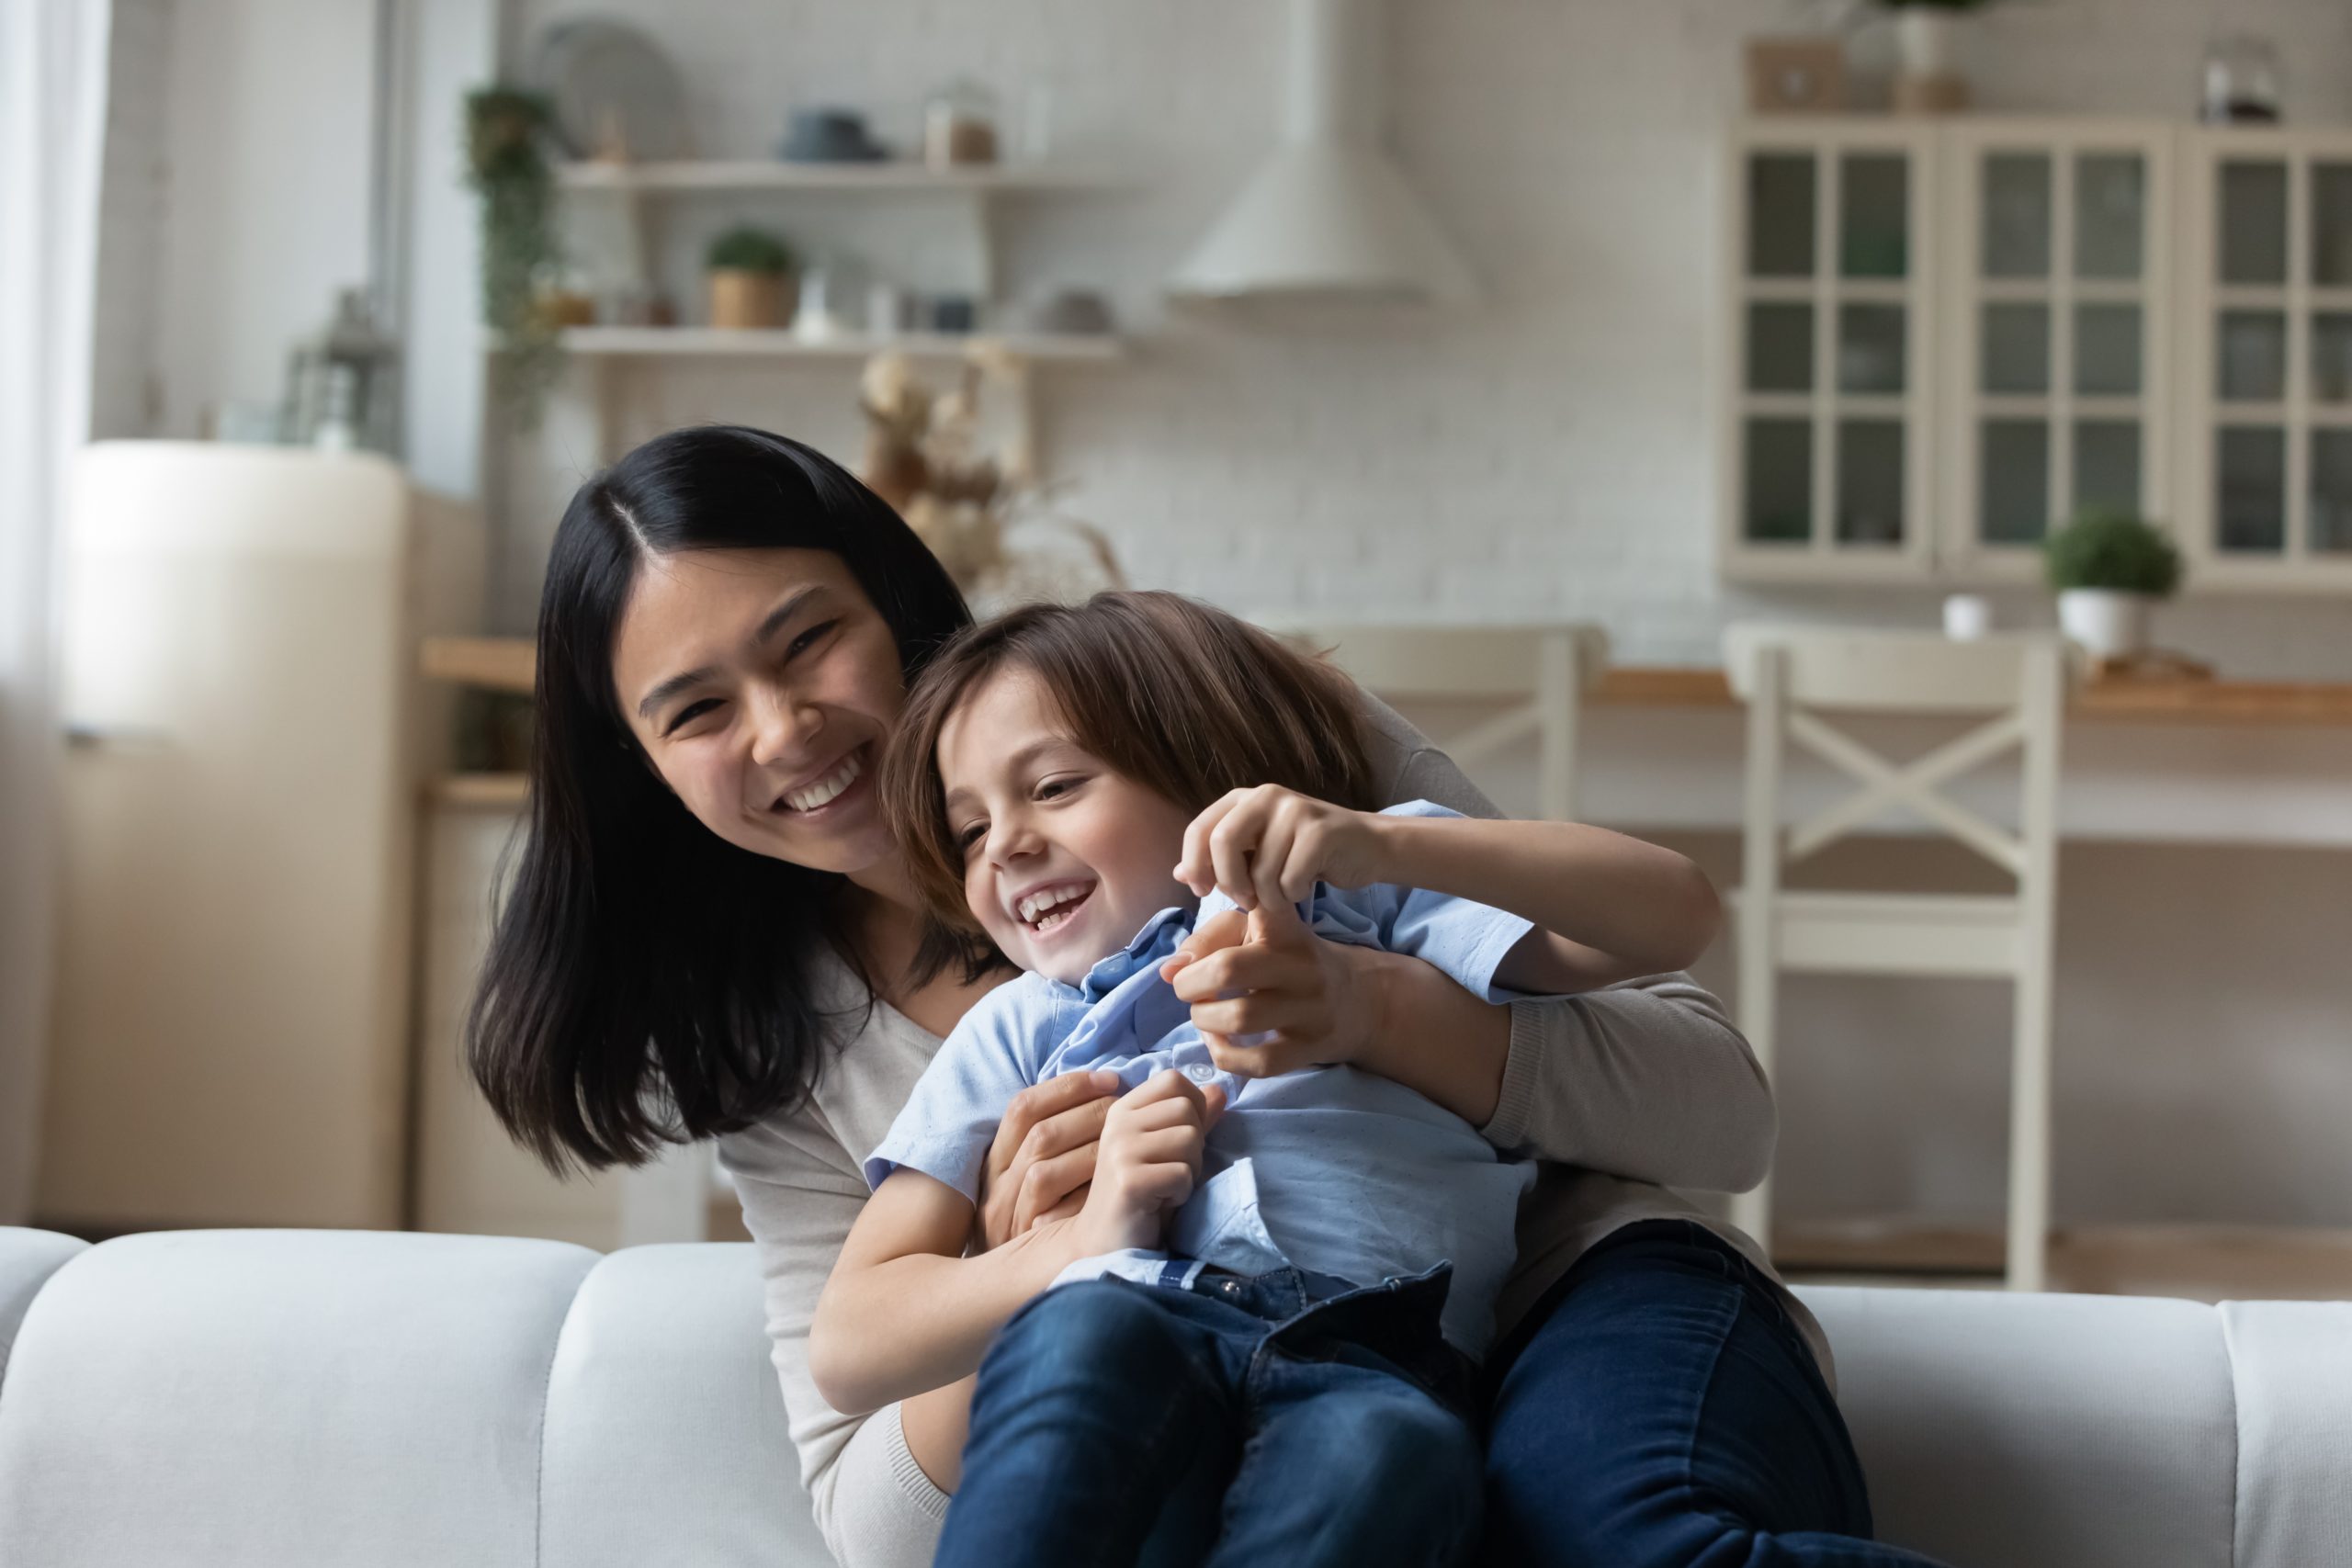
<point>1272,1359</point>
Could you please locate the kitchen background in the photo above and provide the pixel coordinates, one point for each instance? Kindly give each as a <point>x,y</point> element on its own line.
<point>1548,453</point>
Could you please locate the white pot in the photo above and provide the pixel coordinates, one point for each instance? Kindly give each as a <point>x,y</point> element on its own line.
<point>1926,40</point>
<point>2109,623</point>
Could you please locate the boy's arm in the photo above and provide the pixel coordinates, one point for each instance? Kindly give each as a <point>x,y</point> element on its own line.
<point>1607,908</point>
<point>905,1312</point>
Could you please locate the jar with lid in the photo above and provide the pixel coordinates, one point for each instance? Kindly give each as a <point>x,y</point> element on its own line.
<point>959,125</point>
<point>2241,81</point>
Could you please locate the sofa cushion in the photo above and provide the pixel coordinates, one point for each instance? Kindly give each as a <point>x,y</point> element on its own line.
<point>321,1397</point>
<point>2293,1367</point>
<point>2065,1431</point>
<point>666,1434</point>
<point>26,1261</point>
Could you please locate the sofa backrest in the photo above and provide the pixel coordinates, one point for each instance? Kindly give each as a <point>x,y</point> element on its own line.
<point>352,1398</point>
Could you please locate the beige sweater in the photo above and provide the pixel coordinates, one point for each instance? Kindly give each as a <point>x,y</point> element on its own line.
<point>1622,1093</point>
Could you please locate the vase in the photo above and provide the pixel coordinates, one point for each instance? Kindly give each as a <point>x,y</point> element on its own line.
<point>749,300</point>
<point>1928,47</point>
<point>2107,623</point>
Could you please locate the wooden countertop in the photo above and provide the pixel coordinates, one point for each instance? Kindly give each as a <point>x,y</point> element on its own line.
<point>505,664</point>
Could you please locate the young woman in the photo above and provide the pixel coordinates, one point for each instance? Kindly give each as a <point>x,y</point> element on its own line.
<point>710,934</point>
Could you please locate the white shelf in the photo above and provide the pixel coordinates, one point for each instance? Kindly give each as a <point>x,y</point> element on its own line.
<point>715,343</point>
<point>900,178</point>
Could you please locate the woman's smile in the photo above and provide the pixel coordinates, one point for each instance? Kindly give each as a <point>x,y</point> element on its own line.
<point>833,790</point>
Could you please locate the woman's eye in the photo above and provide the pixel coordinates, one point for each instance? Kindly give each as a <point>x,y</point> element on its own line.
<point>1048,789</point>
<point>808,639</point>
<point>688,714</point>
<point>970,834</point>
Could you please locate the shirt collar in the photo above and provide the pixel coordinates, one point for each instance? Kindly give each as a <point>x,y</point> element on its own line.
<point>1158,938</point>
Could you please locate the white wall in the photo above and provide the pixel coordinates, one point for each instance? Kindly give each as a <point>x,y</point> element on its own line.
<point>265,198</point>
<point>1551,453</point>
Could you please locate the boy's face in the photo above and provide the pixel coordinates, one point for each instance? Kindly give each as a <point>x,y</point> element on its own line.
<point>1064,859</point>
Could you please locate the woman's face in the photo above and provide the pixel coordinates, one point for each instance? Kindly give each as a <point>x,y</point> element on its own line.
<point>762,684</point>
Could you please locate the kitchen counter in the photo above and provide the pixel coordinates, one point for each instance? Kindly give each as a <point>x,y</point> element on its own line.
<point>505,664</point>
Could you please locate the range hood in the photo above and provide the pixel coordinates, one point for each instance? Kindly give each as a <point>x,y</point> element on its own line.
<point>1328,217</point>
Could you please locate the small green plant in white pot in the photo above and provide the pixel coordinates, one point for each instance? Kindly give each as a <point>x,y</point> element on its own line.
<point>2109,568</point>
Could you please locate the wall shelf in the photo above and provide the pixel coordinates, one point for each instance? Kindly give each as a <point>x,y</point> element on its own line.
<point>880,179</point>
<point>715,343</point>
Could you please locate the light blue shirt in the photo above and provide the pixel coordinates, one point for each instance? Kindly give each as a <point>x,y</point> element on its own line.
<point>1329,1169</point>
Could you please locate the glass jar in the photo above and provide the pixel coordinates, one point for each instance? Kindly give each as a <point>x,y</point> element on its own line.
<point>959,125</point>
<point>2241,81</point>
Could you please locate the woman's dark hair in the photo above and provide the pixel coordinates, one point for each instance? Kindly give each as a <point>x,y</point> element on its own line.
<point>1183,698</point>
<point>649,981</point>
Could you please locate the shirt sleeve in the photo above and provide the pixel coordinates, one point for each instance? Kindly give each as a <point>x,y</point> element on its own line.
<point>801,1192</point>
<point>1465,941</point>
<point>947,1125</point>
<point>1646,1079</point>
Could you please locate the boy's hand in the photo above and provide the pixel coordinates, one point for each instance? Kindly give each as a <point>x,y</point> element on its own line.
<point>1150,1162</point>
<point>1270,997</point>
<point>1272,845</point>
<point>1044,1154</point>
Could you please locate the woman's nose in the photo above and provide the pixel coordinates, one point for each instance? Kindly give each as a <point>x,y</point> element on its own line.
<point>783,728</point>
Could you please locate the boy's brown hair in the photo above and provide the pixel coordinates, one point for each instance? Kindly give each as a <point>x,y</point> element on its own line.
<point>1185,699</point>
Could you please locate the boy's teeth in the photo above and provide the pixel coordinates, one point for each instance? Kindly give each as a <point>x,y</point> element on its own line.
<point>1032,908</point>
<point>826,789</point>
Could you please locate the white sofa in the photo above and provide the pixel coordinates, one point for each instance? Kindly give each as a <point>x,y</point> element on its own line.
<point>341,1397</point>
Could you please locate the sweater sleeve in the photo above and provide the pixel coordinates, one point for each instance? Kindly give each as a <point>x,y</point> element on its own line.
<point>1646,1079</point>
<point>801,1192</point>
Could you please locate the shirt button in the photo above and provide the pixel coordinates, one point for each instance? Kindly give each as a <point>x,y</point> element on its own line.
<point>1199,1072</point>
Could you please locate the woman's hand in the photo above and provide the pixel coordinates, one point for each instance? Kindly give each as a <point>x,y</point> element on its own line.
<point>1270,997</point>
<point>1272,845</point>
<point>1044,1154</point>
<point>1149,1162</point>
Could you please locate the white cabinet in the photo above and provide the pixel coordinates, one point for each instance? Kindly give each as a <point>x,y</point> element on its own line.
<point>1826,407</point>
<point>2052,314</point>
<point>2266,381</point>
<point>2055,357</point>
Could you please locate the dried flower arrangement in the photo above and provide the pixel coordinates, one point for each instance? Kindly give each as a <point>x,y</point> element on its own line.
<point>985,516</point>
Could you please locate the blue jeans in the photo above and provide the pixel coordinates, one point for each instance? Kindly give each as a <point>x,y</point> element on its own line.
<point>1287,1418</point>
<point>1657,1407</point>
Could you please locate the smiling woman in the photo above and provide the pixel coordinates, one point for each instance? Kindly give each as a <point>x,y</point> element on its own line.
<point>726,631</point>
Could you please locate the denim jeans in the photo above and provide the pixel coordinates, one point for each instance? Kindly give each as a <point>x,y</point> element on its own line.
<point>1285,1418</point>
<point>1657,1407</point>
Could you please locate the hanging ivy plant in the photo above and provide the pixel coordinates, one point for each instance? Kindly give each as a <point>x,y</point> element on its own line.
<point>506,164</point>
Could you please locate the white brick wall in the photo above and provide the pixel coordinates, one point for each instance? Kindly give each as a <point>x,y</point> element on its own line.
<point>1551,453</point>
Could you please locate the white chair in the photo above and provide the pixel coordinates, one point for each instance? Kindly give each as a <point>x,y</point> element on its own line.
<point>1543,671</point>
<point>1787,677</point>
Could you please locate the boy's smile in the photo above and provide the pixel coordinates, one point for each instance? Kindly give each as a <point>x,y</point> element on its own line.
<point>1064,858</point>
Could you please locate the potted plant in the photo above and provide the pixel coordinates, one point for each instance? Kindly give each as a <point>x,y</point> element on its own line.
<point>1928,37</point>
<point>506,164</point>
<point>751,279</point>
<point>2109,568</point>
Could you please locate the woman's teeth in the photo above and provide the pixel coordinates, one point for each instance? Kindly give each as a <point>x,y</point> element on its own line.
<point>811,796</point>
<point>1053,909</point>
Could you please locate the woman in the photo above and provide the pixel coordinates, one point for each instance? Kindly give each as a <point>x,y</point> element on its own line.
<point>710,935</point>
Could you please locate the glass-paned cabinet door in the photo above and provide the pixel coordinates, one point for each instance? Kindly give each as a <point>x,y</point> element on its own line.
<point>1826,439</point>
<point>2267,375</point>
<point>2056,363</point>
